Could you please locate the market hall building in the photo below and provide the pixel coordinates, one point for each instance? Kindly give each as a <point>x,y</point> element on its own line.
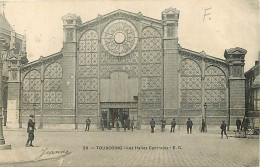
<point>121,65</point>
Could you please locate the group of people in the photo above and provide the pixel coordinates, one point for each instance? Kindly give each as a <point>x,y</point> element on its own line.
<point>127,124</point>
<point>189,126</point>
<point>242,126</point>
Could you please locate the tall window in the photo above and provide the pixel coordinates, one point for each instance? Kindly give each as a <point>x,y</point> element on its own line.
<point>215,90</point>
<point>31,92</point>
<point>88,72</point>
<point>190,88</point>
<point>151,79</point>
<point>52,97</point>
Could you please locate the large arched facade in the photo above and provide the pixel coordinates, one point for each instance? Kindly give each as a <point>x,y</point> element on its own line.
<point>127,66</point>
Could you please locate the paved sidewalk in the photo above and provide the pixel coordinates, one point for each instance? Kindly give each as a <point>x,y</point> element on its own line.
<point>142,148</point>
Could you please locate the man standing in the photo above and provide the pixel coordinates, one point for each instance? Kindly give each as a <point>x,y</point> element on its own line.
<point>128,123</point>
<point>102,124</point>
<point>152,123</point>
<point>117,125</point>
<point>203,125</point>
<point>87,124</point>
<point>163,124</point>
<point>223,129</point>
<point>30,131</point>
<point>125,125</point>
<point>173,124</point>
<point>189,126</point>
<point>245,124</point>
<point>238,124</point>
<point>132,125</point>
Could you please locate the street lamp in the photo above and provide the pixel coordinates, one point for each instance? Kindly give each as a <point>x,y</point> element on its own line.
<point>205,107</point>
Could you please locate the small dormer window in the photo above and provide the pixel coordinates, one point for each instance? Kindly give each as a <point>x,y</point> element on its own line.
<point>69,21</point>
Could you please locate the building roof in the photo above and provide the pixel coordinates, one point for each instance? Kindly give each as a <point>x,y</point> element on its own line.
<point>4,24</point>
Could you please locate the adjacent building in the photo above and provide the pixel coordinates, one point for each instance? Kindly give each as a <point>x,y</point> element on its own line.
<point>253,90</point>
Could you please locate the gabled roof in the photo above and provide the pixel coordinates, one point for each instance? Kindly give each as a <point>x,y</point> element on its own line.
<point>41,60</point>
<point>134,15</point>
<point>4,24</point>
<point>201,55</point>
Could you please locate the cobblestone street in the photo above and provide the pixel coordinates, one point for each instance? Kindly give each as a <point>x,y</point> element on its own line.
<point>141,148</point>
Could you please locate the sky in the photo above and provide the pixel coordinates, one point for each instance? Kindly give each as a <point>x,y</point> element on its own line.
<point>231,23</point>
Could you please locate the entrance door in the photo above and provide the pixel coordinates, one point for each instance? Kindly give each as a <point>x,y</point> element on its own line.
<point>121,114</point>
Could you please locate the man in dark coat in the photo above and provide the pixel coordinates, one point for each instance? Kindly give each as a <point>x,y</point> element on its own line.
<point>117,125</point>
<point>189,126</point>
<point>87,124</point>
<point>163,124</point>
<point>102,124</point>
<point>132,125</point>
<point>128,123</point>
<point>223,129</point>
<point>238,124</point>
<point>152,123</point>
<point>125,125</point>
<point>203,125</point>
<point>173,124</point>
<point>245,124</point>
<point>30,131</point>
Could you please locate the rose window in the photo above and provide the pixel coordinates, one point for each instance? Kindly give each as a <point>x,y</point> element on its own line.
<point>119,37</point>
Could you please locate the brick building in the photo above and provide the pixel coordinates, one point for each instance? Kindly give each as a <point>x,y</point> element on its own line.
<point>253,90</point>
<point>124,65</point>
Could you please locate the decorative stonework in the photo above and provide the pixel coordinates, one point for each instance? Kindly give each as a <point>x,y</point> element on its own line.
<point>236,50</point>
<point>119,37</point>
<point>190,86</point>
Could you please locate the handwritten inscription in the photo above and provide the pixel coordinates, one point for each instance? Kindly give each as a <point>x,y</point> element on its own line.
<point>52,152</point>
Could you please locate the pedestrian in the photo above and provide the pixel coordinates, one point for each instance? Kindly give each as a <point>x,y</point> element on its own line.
<point>87,124</point>
<point>30,131</point>
<point>109,125</point>
<point>117,125</point>
<point>189,126</point>
<point>132,125</point>
<point>125,125</point>
<point>163,124</point>
<point>128,123</point>
<point>102,124</point>
<point>152,123</point>
<point>203,125</point>
<point>238,124</point>
<point>173,124</point>
<point>223,129</point>
<point>245,124</point>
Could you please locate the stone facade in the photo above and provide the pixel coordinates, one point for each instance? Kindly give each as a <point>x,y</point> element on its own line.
<point>126,65</point>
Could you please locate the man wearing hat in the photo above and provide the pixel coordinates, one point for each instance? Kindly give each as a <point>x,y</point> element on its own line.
<point>30,131</point>
<point>189,126</point>
<point>152,123</point>
<point>87,124</point>
<point>223,129</point>
<point>173,124</point>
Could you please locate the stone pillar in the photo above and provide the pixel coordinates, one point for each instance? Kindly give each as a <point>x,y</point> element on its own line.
<point>170,19</point>
<point>69,51</point>
<point>235,59</point>
<point>14,87</point>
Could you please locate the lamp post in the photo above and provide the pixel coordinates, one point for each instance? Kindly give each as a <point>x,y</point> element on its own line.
<point>205,107</point>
